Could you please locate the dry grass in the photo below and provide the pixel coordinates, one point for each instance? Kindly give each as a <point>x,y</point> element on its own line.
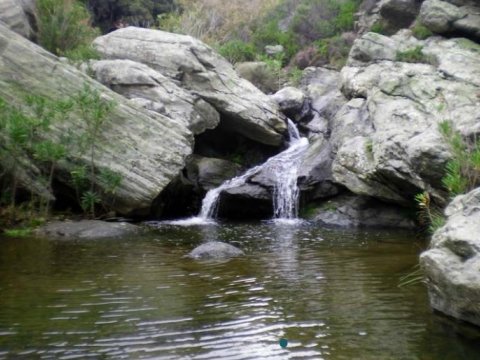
<point>217,21</point>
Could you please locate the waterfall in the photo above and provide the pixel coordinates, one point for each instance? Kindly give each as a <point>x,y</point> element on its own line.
<point>284,167</point>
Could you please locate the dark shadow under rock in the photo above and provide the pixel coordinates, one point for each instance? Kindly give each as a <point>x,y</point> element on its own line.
<point>350,210</point>
<point>215,250</point>
<point>246,202</point>
<point>87,229</point>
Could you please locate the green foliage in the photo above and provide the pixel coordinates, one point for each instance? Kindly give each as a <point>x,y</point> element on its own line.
<point>369,146</point>
<point>143,13</point>
<point>414,55</point>
<point>269,34</point>
<point>18,233</point>
<point>463,169</point>
<point>237,51</point>
<point>415,276</point>
<point>420,31</point>
<point>378,28</point>
<point>430,215</point>
<point>294,76</point>
<point>333,51</point>
<point>88,201</point>
<point>64,28</point>
<point>94,110</point>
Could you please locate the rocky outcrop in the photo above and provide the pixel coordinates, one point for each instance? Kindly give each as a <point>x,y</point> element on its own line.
<point>147,149</point>
<point>215,250</point>
<point>197,68</point>
<point>452,263</point>
<point>452,17</point>
<point>292,102</point>
<point>349,210</point>
<point>155,92</point>
<point>87,229</point>
<point>401,150</point>
<point>208,173</point>
<point>14,15</point>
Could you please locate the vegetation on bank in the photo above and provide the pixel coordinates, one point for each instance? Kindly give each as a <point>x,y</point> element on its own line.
<point>36,144</point>
<point>462,174</point>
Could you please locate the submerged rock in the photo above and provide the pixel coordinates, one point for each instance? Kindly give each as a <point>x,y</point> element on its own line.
<point>452,264</point>
<point>87,229</point>
<point>195,67</point>
<point>215,250</point>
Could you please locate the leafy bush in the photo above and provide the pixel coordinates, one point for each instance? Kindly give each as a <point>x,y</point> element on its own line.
<point>64,27</point>
<point>414,55</point>
<point>378,28</point>
<point>463,170</point>
<point>237,51</point>
<point>421,32</point>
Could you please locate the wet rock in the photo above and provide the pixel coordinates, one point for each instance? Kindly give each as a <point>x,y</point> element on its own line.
<point>156,92</point>
<point>359,211</point>
<point>87,229</point>
<point>215,250</point>
<point>292,102</point>
<point>195,67</point>
<point>208,173</point>
<point>246,202</point>
<point>452,263</point>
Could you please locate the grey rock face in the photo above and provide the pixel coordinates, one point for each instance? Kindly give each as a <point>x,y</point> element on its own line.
<point>452,263</point>
<point>215,250</point>
<point>400,151</point>
<point>452,16</point>
<point>289,99</point>
<point>13,14</point>
<point>87,229</point>
<point>359,211</point>
<point>148,150</point>
<point>197,68</point>
<point>208,173</point>
<point>137,81</point>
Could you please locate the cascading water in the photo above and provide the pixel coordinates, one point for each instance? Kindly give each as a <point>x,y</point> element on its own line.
<point>284,167</point>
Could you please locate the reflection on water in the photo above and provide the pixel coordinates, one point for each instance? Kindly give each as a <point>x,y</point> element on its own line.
<point>332,294</point>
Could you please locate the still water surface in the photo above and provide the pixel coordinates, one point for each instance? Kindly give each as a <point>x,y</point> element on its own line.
<point>331,294</point>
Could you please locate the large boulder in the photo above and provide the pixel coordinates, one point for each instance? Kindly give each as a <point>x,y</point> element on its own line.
<point>452,263</point>
<point>197,68</point>
<point>399,13</point>
<point>452,17</point>
<point>14,14</point>
<point>207,173</point>
<point>147,149</point>
<point>401,151</point>
<point>156,92</point>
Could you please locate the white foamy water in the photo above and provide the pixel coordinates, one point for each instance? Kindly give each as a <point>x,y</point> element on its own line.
<point>284,168</point>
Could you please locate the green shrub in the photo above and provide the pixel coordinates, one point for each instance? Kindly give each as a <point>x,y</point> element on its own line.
<point>270,34</point>
<point>237,51</point>
<point>414,55</point>
<point>64,27</point>
<point>378,28</point>
<point>421,32</point>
